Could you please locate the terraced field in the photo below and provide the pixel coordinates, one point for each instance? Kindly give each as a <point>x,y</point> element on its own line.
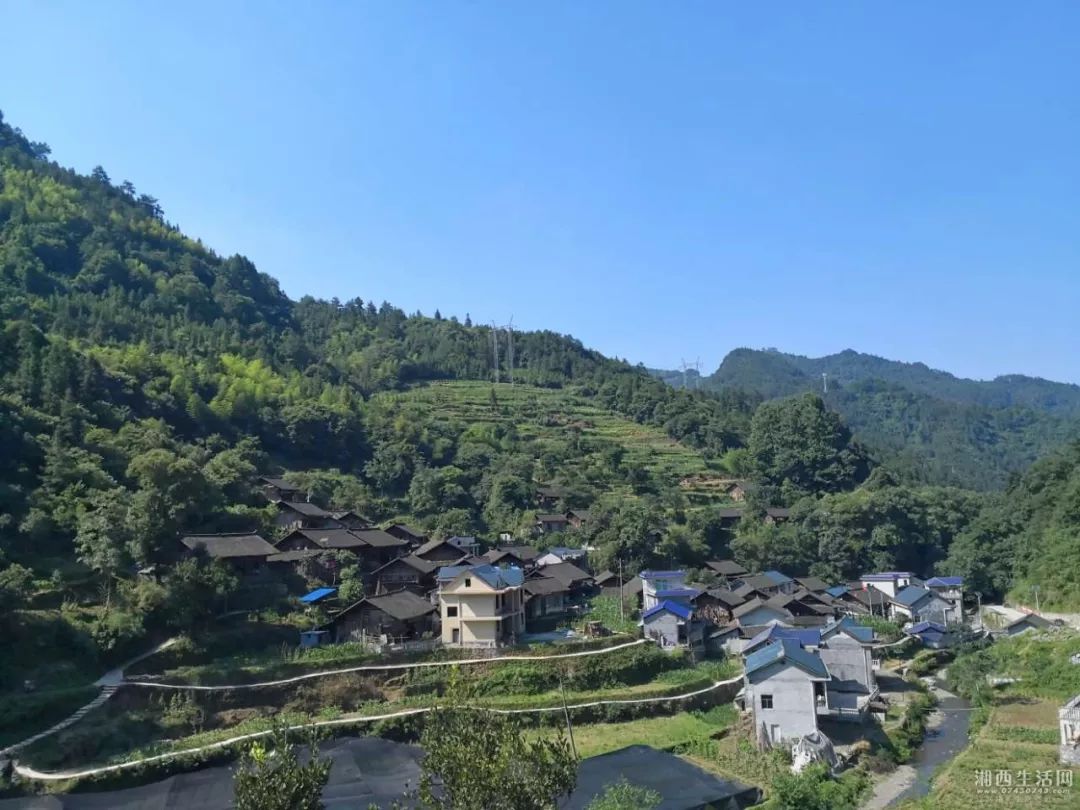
<point>547,419</point>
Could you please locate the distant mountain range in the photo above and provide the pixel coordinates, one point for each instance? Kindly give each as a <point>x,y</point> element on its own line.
<point>925,423</point>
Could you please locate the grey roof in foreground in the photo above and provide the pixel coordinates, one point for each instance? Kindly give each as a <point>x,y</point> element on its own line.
<point>683,785</point>
<point>223,546</point>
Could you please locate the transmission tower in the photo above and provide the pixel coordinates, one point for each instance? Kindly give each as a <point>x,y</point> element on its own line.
<point>824,382</point>
<point>510,347</point>
<point>495,348</point>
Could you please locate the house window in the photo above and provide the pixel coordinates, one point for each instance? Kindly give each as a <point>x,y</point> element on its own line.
<point>468,582</point>
<point>766,701</point>
<point>451,611</point>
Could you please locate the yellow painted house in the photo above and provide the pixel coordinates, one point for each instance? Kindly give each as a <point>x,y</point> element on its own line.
<point>481,605</point>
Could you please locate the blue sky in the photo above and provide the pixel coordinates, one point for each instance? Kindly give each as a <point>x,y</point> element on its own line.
<point>660,180</point>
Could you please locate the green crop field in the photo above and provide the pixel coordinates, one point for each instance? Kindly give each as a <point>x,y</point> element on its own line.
<point>546,419</point>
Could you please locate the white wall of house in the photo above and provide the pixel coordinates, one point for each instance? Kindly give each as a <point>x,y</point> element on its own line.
<point>790,691</point>
<point>848,660</point>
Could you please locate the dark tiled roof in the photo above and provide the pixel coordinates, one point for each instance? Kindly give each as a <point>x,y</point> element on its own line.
<point>401,528</point>
<point>223,546</point>
<point>760,581</point>
<point>401,605</point>
<point>333,538</point>
<point>294,556</point>
<point>417,563</point>
<point>565,572</point>
<point>377,538</point>
<point>278,483</point>
<point>552,517</point>
<point>726,568</point>
<point>729,598</point>
<point>543,586</point>
<point>304,508</point>
<point>911,595</point>
<point>813,584</point>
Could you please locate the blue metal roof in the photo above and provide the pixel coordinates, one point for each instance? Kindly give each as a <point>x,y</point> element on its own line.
<point>681,611</point>
<point>317,595</point>
<point>837,591</point>
<point>805,637</point>
<point>661,574</point>
<point>945,582</point>
<point>911,595</point>
<point>790,651</point>
<point>887,576</point>
<point>678,593</point>
<point>922,627</point>
<point>777,577</point>
<point>496,577</point>
<point>859,632</point>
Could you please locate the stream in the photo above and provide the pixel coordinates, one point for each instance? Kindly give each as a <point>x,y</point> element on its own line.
<point>946,736</point>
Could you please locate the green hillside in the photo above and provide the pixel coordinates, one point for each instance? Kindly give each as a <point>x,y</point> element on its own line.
<point>926,425</point>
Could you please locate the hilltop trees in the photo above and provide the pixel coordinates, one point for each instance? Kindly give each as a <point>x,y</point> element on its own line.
<point>798,448</point>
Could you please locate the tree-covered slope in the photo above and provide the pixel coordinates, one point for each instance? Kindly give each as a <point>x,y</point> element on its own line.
<point>927,425</point>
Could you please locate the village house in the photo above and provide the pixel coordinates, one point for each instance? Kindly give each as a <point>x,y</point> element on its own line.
<point>784,685</point>
<point>441,551</point>
<point>758,613</point>
<point>729,516</point>
<point>521,556</point>
<point>770,582</point>
<point>545,597</point>
<point>888,582</point>
<point>915,604</point>
<point>728,569</point>
<point>398,616</point>
<point>348,519</point>
<point>549,522</point>
<point>656,586</point>
<point>578,582</point>
<point>776,514</point>
<point>931,634</point>
<point>244,551</point>
<point>1032,621</point>
<point>1069,721</point>
<point>481,605</point>
<point>673,625</point>
<point>626,587</point>
<point>321,540</point>
<point>414,538</point>
<point>558,554</point>
<point>812,584</point>
<point>278,489</point>
<point>301,515</point>
<point>411,572</point>
<point>578,518</point>
<point>548,497</point>
<point>951,589</point>
<point>846,650</point>
<point>737,490</point>
<point>807,638</point>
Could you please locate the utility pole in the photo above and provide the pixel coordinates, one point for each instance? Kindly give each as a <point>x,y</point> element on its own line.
<point>1037,599</point>
<point>566,713</point>
<point>495,348</point>
<point>978,609</point>
<point>622,602</point>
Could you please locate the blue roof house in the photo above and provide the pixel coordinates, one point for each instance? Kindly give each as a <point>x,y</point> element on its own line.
<point>653,583</point>
<point>673,625</point>
<point>916,604</point>
<point>785,685</point>
<point>951,589</point>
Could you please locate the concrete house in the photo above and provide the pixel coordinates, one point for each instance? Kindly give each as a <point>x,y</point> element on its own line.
<point>888,582</point>
<point>672,625</point>
<point>656,586</point>
<point>784,685</point>
<point>917,604</point>
<point>481,605</point>
<point>846,650</point>
<point>951,589</point>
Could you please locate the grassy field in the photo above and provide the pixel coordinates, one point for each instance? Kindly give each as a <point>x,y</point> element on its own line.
<point>660,732</point>
<point>548,418</point>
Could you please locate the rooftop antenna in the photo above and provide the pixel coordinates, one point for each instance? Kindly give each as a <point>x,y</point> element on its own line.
<point>495,348</point>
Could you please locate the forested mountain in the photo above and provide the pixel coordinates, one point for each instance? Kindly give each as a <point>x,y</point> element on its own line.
<point>925,424</point>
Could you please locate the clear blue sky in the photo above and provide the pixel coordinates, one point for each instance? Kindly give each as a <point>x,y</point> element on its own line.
<point>662,180</point>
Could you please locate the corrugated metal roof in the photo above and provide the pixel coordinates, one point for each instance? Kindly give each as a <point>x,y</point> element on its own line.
<point>681,611</point>
<point>945,582</point>
<point>790,651</point>
<point>317,595</point>
<point>911,595</point>
<point>806,638</point>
